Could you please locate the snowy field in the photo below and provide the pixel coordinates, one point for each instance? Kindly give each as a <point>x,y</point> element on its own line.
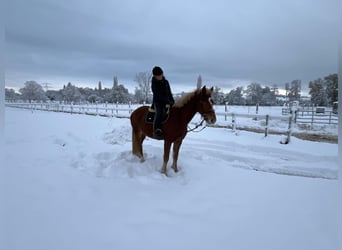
<point>72,183</point>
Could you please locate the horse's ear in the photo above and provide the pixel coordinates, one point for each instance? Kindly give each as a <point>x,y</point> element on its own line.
<point>204,89</point>
<point>212,89</point>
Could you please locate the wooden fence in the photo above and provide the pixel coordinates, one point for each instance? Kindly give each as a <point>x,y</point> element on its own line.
<point>124,111</point>
<point>289,119</point>
<point>231,120</point>
<point>109,110</point>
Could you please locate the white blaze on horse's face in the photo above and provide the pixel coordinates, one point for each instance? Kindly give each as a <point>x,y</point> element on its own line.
<point>211,101</point>
<point>208,112</point>
<point>211,116</point>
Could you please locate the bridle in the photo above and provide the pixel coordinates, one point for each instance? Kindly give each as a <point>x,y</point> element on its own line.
<point>204,116</point>
<point>208,112</point>
<point>197,126</point>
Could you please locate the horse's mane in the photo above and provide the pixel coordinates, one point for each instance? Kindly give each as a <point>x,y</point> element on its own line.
<point>187,97</point>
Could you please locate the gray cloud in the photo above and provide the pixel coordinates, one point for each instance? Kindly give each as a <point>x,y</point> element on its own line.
<point>271,42</point>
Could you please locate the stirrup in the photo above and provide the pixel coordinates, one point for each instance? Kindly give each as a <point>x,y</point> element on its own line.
<point>158,132</point>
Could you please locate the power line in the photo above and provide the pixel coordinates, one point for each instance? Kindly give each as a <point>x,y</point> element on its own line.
<point>46,86</point>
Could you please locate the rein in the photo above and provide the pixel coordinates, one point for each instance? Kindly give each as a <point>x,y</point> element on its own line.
<point>197,126</point>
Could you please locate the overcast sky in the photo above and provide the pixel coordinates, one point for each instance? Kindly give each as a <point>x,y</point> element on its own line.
<point>229,43</point>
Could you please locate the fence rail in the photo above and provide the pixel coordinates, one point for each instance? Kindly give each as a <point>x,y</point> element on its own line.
<point>124,111</point>
<point>109,110</point>
<point>312,117</point>
<point>115,110</point>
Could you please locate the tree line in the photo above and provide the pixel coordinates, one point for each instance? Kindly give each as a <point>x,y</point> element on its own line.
<point>322,91</point>
<point>118,93</point>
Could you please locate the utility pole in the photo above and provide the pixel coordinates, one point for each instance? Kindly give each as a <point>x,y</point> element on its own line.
<point>46,86</point>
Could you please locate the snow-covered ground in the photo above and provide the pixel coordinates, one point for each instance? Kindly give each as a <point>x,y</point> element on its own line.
<point>72,183</point>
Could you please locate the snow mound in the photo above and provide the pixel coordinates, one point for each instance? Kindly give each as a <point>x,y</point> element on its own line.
<point>119,135</point>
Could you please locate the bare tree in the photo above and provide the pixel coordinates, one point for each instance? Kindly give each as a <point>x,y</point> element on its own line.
<point>295,90</point>
<point>144,81</point>
<point>71,93</point>
<point>33,91</point>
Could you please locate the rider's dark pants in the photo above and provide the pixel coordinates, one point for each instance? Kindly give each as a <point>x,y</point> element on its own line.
<point>159,115</point>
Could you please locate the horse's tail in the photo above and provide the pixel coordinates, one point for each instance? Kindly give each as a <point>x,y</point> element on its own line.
<point>137,139</point>
<point>134,142</point>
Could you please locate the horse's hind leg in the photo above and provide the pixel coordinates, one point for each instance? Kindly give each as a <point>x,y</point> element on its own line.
<point>137,141</point>
<point>176,147</point>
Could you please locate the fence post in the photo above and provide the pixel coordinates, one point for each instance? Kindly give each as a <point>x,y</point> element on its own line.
<point>117,108</point>
<point>233,122</point>
<point>312,118</point>
<point>330,117</point>
<point>257,108</point>
<point>225,110</point>
<point>266,128</point>
<point>289,130</point>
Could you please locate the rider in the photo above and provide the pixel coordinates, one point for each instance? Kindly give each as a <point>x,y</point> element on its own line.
<point>162,96</point>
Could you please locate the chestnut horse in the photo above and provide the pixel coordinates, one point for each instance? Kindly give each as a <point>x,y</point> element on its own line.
<point>175,129</point>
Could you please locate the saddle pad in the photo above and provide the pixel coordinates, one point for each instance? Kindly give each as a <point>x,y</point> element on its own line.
<point>152,112</point>
<point>150,116</point>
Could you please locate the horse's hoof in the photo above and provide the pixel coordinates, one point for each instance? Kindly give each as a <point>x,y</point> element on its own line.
<point>176,170</point>
<point>163,172</point>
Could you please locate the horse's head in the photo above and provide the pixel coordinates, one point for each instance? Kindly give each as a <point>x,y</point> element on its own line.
<point>205,105</point>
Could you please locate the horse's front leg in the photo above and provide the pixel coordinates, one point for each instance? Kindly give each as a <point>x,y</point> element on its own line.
<point>176,147</point>
<point>167,146</point>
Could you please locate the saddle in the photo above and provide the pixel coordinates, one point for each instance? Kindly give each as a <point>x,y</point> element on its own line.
<point>152,112</point>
